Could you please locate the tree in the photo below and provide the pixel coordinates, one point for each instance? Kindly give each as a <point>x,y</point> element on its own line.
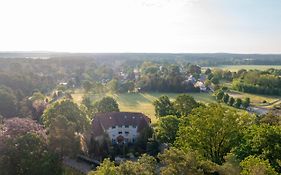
<point>167,129</point>
<point>237,103</point>
<point>62,137</point>
<point>246,103</point>
<point>113,85</point>
<point>8,102</point>
<point>225,98</point>
<point>213,131</point>
<point>65,122</point>
<point>208,71</point>
<point>163,106</point>
<point>70,110</point>
<point>220,95</point>
<point>176,161</point>
<point>146,165</point>
<point>28,154</point>
<point>184,104</point>
<point>270,119</point>
<point>261,140</point>
<point>87,85</point>
<point>106,168</point>
<point>106,104</point>
<point>23,147</point>
<point>256,166</point>
<point>231,101</point>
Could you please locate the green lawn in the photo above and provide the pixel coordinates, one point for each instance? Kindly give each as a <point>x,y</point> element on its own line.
<point>247,67</point>
<point>142,102</point>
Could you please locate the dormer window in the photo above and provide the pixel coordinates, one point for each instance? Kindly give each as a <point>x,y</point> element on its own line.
<point>126,126</point>
<point>113,127</point>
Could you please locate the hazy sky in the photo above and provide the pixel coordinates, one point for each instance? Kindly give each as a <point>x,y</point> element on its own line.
<point>241,26</point>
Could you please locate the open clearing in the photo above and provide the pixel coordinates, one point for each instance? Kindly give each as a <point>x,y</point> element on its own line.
<point>235,68</point>
<point>141,102</point>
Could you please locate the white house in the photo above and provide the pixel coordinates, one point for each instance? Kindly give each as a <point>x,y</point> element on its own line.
<point>201,85</point>
<point>120,127</point>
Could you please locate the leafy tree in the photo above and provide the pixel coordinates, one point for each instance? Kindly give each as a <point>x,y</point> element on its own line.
<point>246,103</point>
<point>176,161</point>
<point>113,85</point>
<point>87,85</point>
<point>70,110</point>
<point>225,98</point>
<point>231,101</point>
<point>208,71</point>
<point>167,129</point>
<point>184,104</point>
<point>270,119</point>
<point>220,95</point>
<point>28,154</point>
<point>256,166</point>
<point>146,165</point>
<point>261,140</point>
<point>163,106</point>
<point>213,131</point>
<point>8,102</point>
<point>238,103</point>
<point>106,168</point>
<point>106,104</point>
<point>62,136</point>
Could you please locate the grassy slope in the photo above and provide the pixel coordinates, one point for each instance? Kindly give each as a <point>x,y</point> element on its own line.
<point>142,102</point>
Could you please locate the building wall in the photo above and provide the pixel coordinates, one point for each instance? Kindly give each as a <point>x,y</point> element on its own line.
<point>128,132</point>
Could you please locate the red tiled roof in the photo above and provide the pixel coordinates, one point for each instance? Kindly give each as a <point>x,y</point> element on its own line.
<point>103,121</point>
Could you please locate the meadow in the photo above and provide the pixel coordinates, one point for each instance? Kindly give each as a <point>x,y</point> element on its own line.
<point>234,68</point>
<point>141,102</point>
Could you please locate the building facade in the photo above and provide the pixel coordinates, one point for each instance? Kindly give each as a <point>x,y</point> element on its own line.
<point>119,127</point>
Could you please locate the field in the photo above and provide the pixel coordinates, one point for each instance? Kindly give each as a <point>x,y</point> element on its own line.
<point>257,100</point>
<point>142,102</point>
<point>234,68</point>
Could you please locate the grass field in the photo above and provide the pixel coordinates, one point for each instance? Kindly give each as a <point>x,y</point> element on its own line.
<point>142,102</point>
<point>257,100</point>
<point>234,68</point>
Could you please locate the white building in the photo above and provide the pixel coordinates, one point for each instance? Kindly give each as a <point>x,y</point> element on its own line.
<point>120,127</point>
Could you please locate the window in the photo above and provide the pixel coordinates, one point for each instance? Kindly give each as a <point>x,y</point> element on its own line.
<point>113,127</point>
<point>126,132</point>
<point>134,126</point>
<point>126,126</point>
<point>120,132</point>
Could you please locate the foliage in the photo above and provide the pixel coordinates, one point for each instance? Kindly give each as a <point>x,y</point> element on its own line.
<point>176,161</point>
<point>184,104</point>
<point>256,166</point>
<point>146,165</point>
<point>8,102</point>
<point>167,128</point>
<point>225,98</point>
<point>213,131</point>
<point>163,106</point>
<point>68,109</point>
<point>62,136</point>
<point>261,140</point>
<point>106,104</point>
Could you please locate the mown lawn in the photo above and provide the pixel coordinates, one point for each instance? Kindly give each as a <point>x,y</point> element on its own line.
<point>142,102</point>
<point>235,68</point>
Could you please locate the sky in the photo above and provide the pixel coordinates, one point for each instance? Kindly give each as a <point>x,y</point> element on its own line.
<point>161,26</point>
